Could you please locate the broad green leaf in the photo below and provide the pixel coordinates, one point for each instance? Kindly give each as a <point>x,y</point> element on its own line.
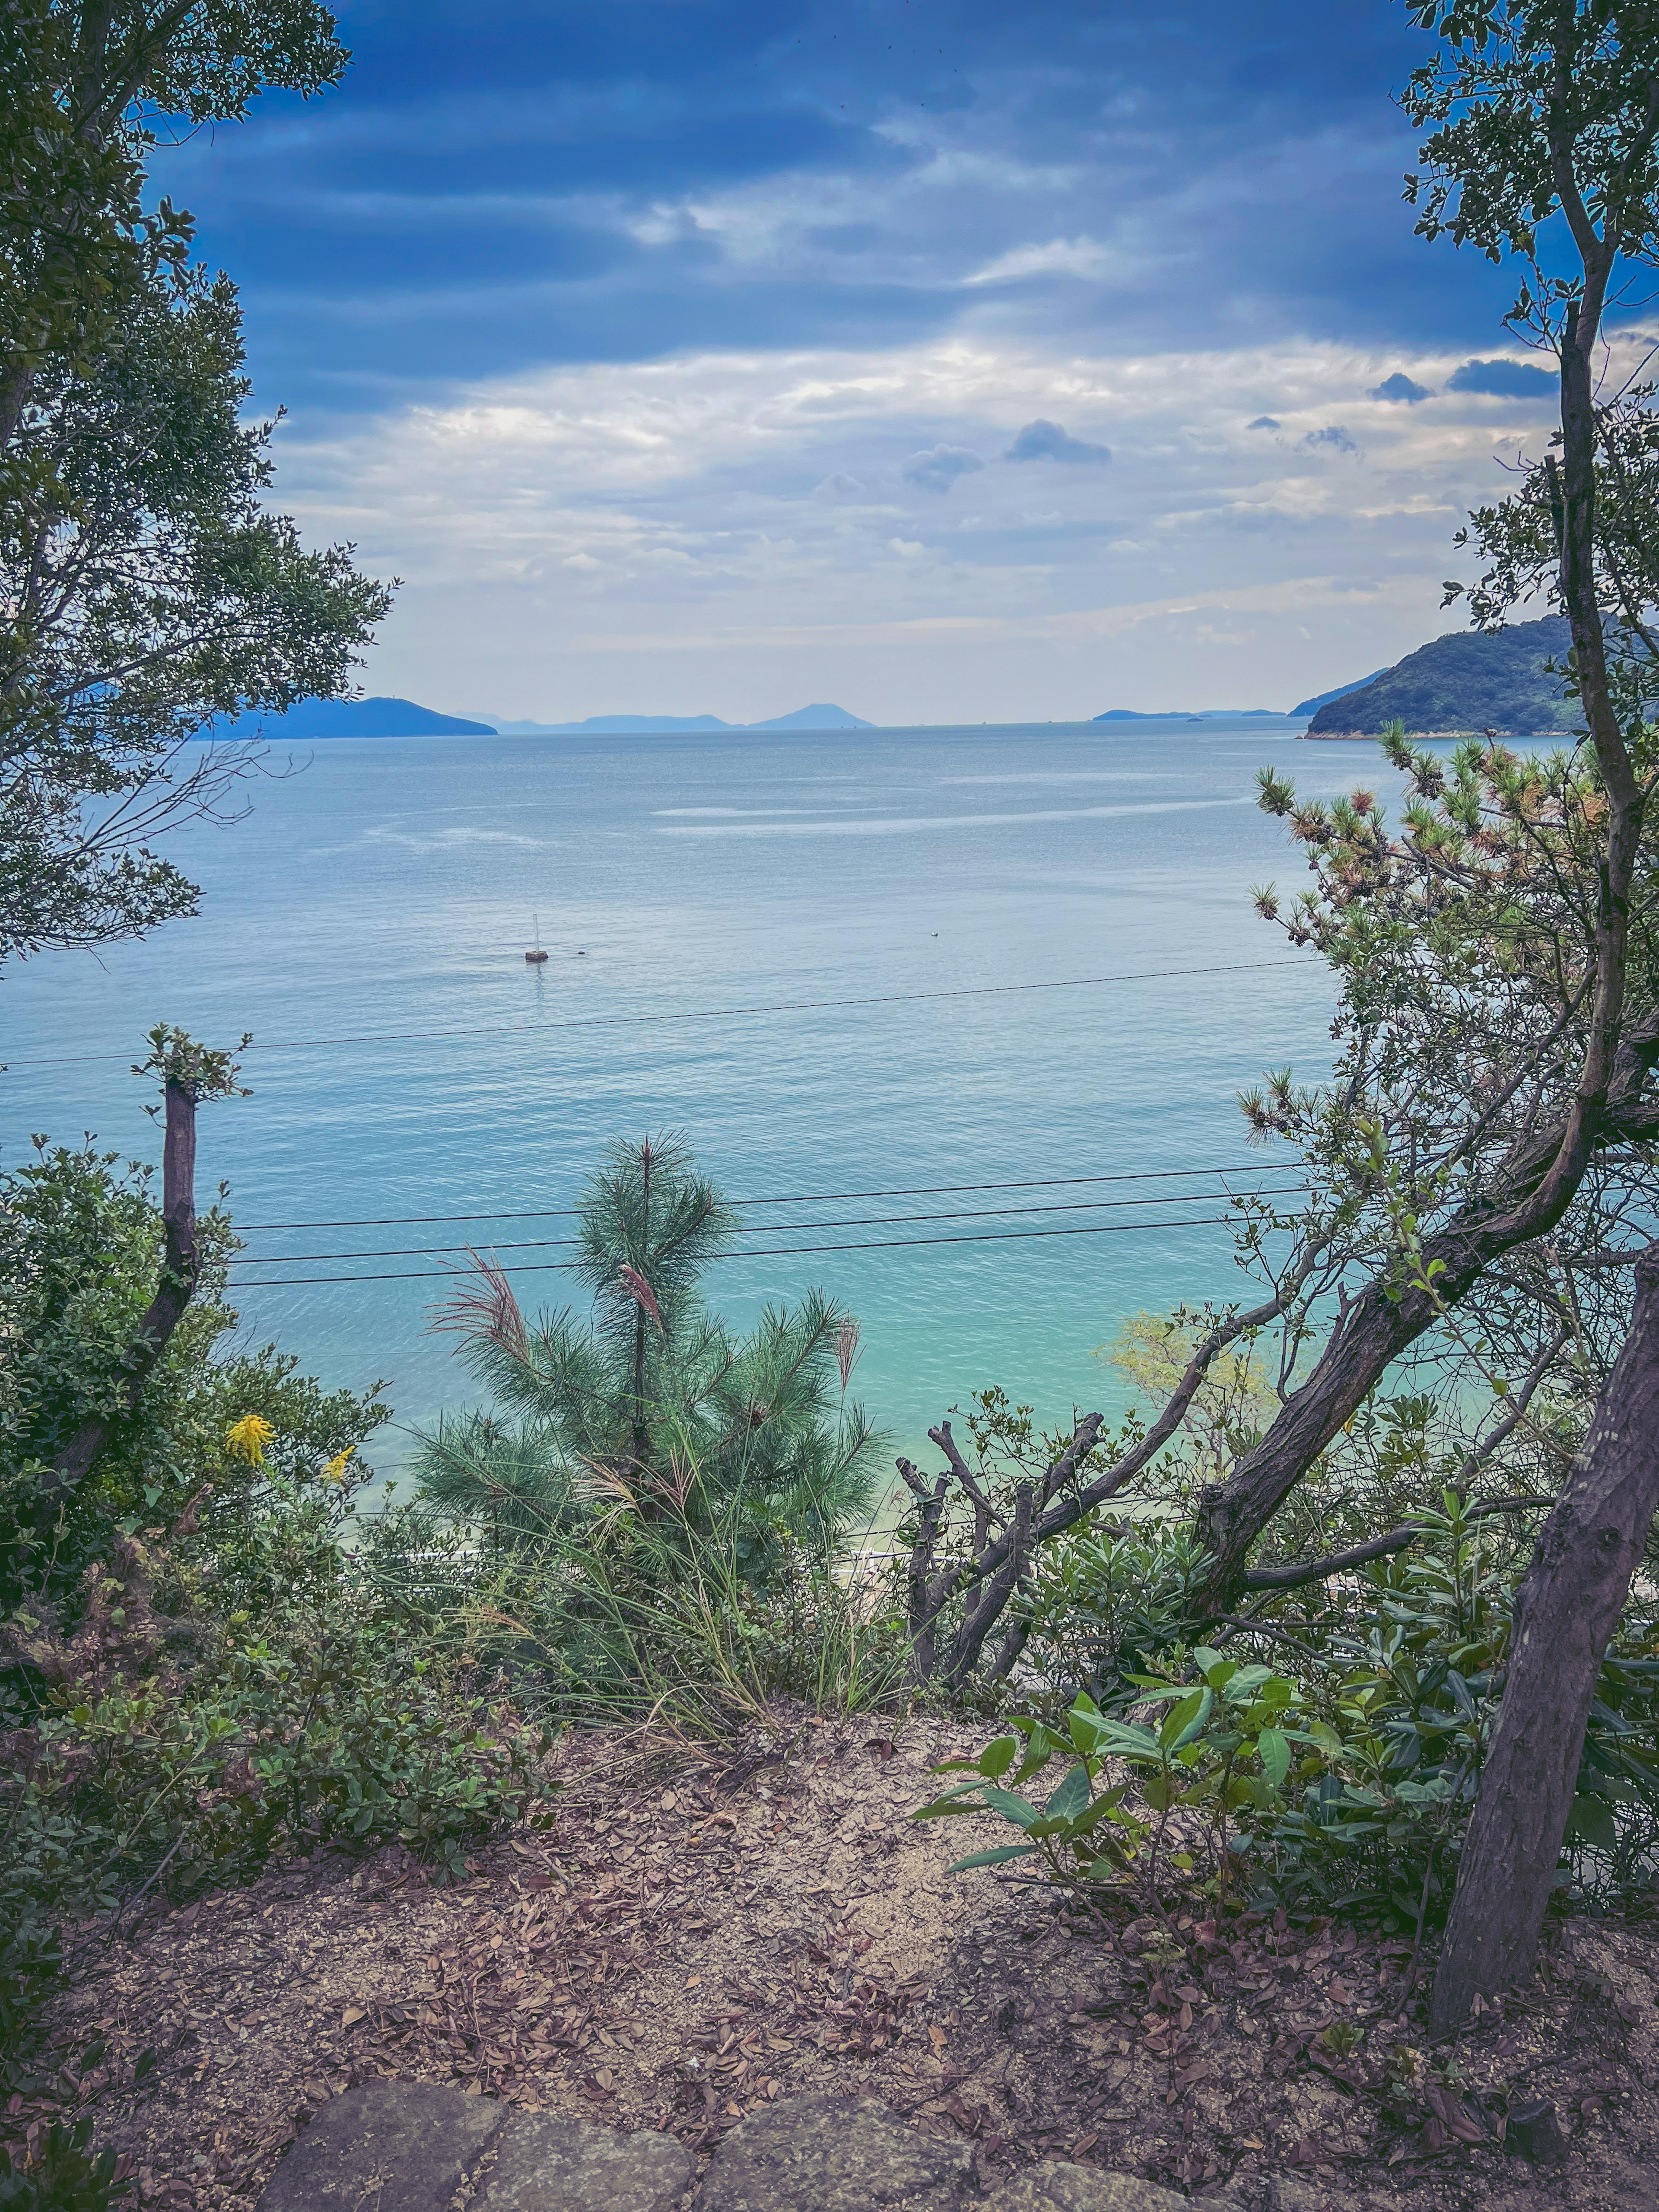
<point>1591,1821</point>
<point>1016,1809</point>
<point>1073,1796</point>
<point>944,1809</point>
<point>1001,1857</point>
<point>1185,1722</point>
<point>997,1758</point>
<point>1275,1755</point>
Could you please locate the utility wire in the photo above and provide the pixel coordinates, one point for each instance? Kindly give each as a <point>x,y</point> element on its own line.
<point>709,1014</point>
<point>804,1198</point>
<point>767,1252</point>
<point>776,1228</point>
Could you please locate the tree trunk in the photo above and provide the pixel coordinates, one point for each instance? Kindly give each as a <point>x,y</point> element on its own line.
<point>181,1271</point>
<point>1564,1616</point>
<point>1529,1199</point>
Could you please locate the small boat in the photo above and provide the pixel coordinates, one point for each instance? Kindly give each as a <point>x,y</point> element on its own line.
<point>536,957</point>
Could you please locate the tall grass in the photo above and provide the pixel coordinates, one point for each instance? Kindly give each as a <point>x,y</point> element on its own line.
<point>650,1604</point>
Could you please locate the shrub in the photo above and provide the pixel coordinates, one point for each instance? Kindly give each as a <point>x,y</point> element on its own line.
<point>1344,1778</point>
<point>651,1399</point>
<point>61,2177</point>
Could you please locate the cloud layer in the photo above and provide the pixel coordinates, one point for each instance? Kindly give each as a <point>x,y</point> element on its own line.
<point>721,533</point>
<point>940,361</point>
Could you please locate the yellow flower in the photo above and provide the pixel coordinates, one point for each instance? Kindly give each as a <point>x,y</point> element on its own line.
<point>248,1437</point>
<point>334,1471</point>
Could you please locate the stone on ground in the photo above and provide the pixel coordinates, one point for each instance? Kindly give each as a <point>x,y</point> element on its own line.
<point>1054,2186</point>
<point>823,2153</point>
<point>388,2147</point>
<point>544,2164</point>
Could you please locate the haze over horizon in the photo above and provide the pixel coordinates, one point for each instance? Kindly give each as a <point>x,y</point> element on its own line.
<point>685,356</point>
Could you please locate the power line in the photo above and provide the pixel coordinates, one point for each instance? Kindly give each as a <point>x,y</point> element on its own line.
<point>773,1228</point>
<point>803,1198</point>
<point>767,1252</point>
<point>709,1014</point>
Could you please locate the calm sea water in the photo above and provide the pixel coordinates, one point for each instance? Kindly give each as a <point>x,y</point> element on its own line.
<point>368,922</point>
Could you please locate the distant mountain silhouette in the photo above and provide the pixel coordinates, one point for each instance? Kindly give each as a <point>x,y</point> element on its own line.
<point>1191,714</point>
<point>1463,684</point>
<point>820,717</point>
<point>1324,698</point>
<point>349,718</point>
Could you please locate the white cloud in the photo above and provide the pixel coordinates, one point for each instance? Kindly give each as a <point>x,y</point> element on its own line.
<point>721,531</point>
<point>1061,257</point>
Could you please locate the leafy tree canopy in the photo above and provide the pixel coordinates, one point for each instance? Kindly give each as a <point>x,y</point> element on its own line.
<point>144,587</point>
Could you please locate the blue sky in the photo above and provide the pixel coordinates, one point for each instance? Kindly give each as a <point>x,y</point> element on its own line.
<point>947,360</point>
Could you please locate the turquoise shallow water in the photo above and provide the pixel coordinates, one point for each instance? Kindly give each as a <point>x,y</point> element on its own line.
<point>387,892</point>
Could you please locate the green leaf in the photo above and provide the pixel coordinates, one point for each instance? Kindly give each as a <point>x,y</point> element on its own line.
<point>1016,1809</point>
<point>942,1808</point>
<point>997,1758</point>
<point>1001,1857</point>
<point>1275,1754</point>
<point>1591,1821</point>
<point>1071,1797</point>
<point>1184,1723</point>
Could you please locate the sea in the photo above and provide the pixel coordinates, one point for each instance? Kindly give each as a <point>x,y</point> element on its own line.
<point>957,1016</point>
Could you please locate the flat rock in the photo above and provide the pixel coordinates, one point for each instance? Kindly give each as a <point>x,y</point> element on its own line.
<point>544,2164</point>
<point>824,2154</point>
<point>1053,2185</point>
<point>388,2147</point>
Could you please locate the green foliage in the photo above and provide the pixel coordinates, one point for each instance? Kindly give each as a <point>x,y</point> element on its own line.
<point>652,1401</point>
<point>1223,1747</point>
<point>198,1668</point>
<point>620,1616</point>
<point>1343,1782</point>
<point>1101,1601</point>
<point>79,102</point>
<point>147,588</point>
<point>61,2176</point>
<point>81,1248</point>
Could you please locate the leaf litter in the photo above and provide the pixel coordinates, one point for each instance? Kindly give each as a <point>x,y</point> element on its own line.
<point>694,1935</point>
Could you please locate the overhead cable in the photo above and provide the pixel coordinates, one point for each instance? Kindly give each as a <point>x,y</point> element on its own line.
<point>766,1252</point>
<point>776,1228</point>
<point>801,1198</point>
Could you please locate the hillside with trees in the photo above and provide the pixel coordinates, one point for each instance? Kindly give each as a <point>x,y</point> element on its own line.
<point>1464,684</point>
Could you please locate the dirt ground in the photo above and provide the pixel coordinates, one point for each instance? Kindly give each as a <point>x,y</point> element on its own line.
<point>691,1937</point>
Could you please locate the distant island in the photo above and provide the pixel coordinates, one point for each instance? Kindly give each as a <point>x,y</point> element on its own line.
<point>1460,684</point>
<point>822,716</point>
<point>401,718</point>
<point>347,718</point>
<point>1195,715</point>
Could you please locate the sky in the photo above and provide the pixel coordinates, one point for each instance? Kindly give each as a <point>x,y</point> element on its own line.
<point>945,360</point>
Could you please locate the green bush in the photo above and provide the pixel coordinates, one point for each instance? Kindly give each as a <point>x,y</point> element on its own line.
<point>650,1399</point>
<point>630,1613</point>
<point>61,2177</point>
<point>1340,1780</point>
<point>81,1248</point>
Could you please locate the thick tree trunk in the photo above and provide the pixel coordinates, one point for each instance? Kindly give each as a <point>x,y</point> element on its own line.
<point>1530,1198</point>
<point>181,1271</point>
<point>1565,1614</point>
